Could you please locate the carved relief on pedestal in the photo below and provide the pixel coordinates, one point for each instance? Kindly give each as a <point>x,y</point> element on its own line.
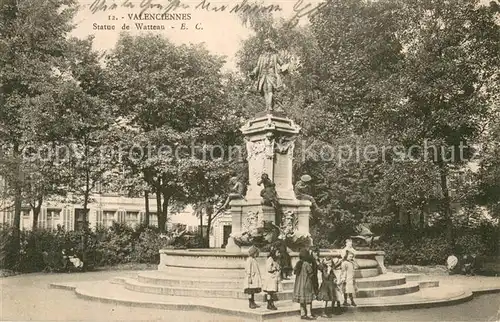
<point>256,148</point>
<point>289,232</point>
<point>289,223</point>
<point>251,222</point>
<point>285,145</point>
<point>258,154</point>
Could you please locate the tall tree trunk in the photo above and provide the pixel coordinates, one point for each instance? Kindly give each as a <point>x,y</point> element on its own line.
<point>14,248</point>
<point>162,220</point>
<point>37,207</point>
<point>446,204</point>
<point>422,216</point>
<point>158,204</point>
<point>201,225</point>
<point>146,203</point>
<point>209,225</point>
<point>210,213</point>
<point>86,197</point>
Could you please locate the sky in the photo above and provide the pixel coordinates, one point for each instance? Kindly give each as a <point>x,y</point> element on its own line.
<point>222,32</point>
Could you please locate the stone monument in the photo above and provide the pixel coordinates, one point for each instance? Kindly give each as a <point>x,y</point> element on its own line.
<point>270,139</point>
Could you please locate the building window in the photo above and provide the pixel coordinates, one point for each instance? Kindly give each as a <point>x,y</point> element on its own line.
<point>53,216</point>
<point>81,219</point>
<point>132,218</point>
<point>25,213</point>
<point>107,218</point>
<point>153,219</point>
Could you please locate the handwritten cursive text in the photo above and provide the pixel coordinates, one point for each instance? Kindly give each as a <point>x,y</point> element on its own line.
<point>301,8</point>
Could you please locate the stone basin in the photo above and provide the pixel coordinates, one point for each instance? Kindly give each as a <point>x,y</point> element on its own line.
<point>220,259</point>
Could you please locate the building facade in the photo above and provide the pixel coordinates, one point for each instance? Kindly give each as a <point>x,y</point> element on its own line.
<point>220,230</point>
<point>103,211</point>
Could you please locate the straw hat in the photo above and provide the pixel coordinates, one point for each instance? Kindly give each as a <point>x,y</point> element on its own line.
<point>305,178</point>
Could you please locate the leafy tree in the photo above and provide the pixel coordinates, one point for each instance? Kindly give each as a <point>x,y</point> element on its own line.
<point>451,58</point>
<point>487,188</point>
<point>32,44</point>
<point>176,110</point>
<point>413,72</point>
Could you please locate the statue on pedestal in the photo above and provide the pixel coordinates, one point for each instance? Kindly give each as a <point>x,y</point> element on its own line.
<point>365,234</point>
<point>236,191</point>
<point>302,191</point>
<point>268,73</point>
<point>270,196</point>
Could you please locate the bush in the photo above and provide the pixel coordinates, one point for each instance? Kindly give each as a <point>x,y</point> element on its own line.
<point>8,259</point>
<point>120,244</point>
<point>147,247</point>
<point>42,249</point>
<point>115,244</point>
<point>415,251</point>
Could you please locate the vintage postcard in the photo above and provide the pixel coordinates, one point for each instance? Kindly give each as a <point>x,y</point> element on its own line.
<point>249,160</point>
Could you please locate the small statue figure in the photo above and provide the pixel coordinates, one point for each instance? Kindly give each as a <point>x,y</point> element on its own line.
<point>365,234</point>
<point>267,73</point>
<point>270,196</point>
<point>173,236</point>
<point>302,191</point>
<point>236,191</point>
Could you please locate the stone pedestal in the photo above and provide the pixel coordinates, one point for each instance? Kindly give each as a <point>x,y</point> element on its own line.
<point>248,213</point>
<point>270,143</point>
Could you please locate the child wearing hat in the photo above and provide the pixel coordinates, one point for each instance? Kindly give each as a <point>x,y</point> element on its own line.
<point>302,190</point>
<point>253,279</point>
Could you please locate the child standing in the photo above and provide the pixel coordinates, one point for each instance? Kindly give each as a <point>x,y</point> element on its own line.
<point>253,279</point>
<point>285,262</point>
<point>348,267</point>
<point>303,288</point>
<point>328,282</point>
<point>316,269</point>
<point>337,270</point>
<point>273,278</point>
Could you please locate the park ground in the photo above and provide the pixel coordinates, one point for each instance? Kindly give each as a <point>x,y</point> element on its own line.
<point>28,297</point>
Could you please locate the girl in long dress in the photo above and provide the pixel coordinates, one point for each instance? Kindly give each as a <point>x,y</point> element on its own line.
<point>303,292</point>
<point>328,282</point>
<point>253,279</point>
<point>273,278</point>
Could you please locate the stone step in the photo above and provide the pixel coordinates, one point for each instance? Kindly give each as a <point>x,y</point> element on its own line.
<point>161,278</point>
<point>428,284</point>
<point>237,293</point>
<point>203,272</point>
<point>407,288</point>
<point>236,273</point>
<point>383,280</point>
<point>136,286</point>
<point>366,272</point>
<point>203,283</point>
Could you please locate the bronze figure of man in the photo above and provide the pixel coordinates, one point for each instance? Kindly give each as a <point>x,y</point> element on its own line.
<point>268,73</point>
